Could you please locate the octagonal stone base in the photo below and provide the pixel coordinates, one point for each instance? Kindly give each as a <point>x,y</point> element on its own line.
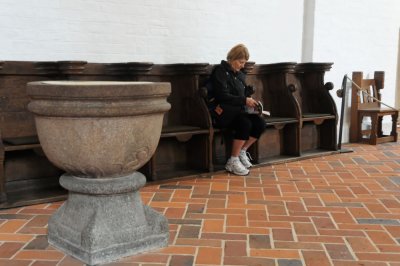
<point>104,219</point>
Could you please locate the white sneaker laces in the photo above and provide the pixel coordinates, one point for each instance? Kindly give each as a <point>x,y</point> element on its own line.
<point>245,158</point>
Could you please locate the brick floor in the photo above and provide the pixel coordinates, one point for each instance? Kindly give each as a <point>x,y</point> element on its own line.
<point>342,209</point>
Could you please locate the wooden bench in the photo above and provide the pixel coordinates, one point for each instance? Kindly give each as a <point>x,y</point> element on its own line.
<point>303,118</point>
<point>318,117</point>
<point>184,147</point>
<point>185,135</point>
<point>26,176</point>
<point>279,141</point>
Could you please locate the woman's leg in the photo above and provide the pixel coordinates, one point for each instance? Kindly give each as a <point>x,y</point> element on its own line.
<point>234,164</point>
<point>242,128</point>
<point>237,145</point>
<point>248,143</point>
<point>257,127</point>
<point>244,156</point>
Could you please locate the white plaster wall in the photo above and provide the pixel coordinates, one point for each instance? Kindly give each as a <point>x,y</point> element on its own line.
<point>358,35</point>
<point>159,31</point>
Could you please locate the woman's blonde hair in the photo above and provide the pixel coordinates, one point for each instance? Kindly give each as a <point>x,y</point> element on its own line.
<point>238,52</point>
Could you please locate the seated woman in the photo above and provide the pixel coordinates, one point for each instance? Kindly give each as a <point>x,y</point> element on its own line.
<point>232,96</point>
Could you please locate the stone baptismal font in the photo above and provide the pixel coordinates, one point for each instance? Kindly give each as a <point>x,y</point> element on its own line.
<point>100,133</point>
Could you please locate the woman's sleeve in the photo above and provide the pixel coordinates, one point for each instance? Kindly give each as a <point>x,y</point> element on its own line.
<point>222,92</point>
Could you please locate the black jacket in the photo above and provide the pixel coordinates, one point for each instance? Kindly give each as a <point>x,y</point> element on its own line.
<point>229,87</point>
<point>229,92</point>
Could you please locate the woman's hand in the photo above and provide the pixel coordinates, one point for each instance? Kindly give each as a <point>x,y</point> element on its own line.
<point>251,102</point>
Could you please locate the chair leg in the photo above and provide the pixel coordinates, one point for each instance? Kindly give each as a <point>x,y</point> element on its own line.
<point>379,131</point>
<point>359,128</point>
<point>394,127</point>
<point>374,130</point>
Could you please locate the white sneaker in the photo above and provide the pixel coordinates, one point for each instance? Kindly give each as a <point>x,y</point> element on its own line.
<point>236,167</point>
<point>245,159</point>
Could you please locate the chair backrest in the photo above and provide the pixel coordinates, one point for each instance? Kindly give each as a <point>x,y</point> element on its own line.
<point>361,97</point>
<point>368,89</point>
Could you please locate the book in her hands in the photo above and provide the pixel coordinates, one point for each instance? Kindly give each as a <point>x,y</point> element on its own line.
<point>258,109</point>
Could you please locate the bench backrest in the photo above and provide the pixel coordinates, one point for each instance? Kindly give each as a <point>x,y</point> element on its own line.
<point>186,106</point>
<point>312,93</point>
<point>16,122</point>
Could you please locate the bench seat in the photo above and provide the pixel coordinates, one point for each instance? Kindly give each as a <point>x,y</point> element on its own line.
<point>176,131</point>
<point>317,118</point>
<point>279,120</point>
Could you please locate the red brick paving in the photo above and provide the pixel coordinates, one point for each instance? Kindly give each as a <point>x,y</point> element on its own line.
<point>342,209</point>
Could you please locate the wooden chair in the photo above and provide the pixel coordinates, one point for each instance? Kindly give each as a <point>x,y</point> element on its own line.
<point>363,105</point>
